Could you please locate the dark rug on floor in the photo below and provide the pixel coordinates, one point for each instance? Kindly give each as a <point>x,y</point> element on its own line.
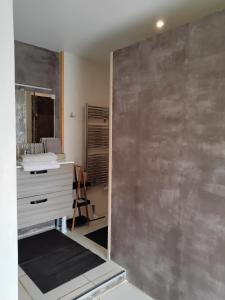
<point>99,236</point>
<point>51,259</point>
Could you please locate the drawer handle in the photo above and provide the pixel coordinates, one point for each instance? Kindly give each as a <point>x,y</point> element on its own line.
<point>39,172</point>
<point>39,201</point>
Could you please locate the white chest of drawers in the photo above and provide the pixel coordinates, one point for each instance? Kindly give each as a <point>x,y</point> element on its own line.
<point>45,195</point>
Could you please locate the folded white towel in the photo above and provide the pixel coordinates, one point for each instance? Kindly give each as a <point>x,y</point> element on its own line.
<point>39,166</point>
<point>42,157</point>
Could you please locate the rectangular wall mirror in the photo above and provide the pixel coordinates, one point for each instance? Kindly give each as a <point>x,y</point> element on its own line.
<point>35,116</point>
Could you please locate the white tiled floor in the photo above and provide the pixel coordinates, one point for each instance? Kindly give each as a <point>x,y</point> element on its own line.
<point>93,225</point>
<point>28,290</point>
<point>124,291</point>
<point>99,197</point>
<point>79,236</point>
<point>70,289</point>
<point>23,295</point>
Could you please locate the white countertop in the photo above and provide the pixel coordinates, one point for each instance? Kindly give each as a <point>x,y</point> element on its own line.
<point>61,162</point>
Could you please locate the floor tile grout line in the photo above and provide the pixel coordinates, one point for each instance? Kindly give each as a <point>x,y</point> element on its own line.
<point>100,284</point>
<point>75,289</point>
<point>102,275</point>
<point>110,289</point>
<point>22,276</point>
<point>26,290</point>
<point>90,245</point>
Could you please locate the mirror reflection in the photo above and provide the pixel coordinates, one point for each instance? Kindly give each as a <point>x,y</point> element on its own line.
<point>35,116</point>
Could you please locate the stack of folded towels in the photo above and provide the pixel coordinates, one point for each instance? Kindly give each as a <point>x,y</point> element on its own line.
<point>38,162</point>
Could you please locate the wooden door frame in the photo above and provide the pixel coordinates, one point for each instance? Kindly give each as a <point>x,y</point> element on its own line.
<point>110,157</point>
<point>61,101</point>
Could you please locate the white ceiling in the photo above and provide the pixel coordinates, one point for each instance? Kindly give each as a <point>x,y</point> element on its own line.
<point>93,28</point>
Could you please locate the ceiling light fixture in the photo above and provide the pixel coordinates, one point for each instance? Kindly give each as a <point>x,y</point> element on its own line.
<point>160,24</point>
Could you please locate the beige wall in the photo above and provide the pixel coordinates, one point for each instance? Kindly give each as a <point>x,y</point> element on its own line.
<point>85,81</point>
<point>8,214</point>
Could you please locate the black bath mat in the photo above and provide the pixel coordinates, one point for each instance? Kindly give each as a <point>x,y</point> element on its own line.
<point>51,259</point>
<point>99,236</point>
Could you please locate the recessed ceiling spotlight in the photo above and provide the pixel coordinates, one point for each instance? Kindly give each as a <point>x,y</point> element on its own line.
<point>160,24</point>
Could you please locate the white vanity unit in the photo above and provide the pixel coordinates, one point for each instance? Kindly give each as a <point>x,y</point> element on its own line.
<point>44,195</point>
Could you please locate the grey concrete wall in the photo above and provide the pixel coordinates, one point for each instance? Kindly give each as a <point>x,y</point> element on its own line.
<point>21,117</point>
<point>39,67</point>
<point>168,177</point>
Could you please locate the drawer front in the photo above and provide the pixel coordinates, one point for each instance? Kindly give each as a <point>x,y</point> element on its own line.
<point>47,181</point>
<point>43,208</point>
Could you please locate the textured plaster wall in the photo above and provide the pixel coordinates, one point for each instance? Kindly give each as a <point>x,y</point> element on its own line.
<point>168,177</point>
<point>38,67</point>
<point>21,117</point>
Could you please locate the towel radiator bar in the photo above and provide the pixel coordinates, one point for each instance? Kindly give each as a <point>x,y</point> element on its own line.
<point>97,144</point>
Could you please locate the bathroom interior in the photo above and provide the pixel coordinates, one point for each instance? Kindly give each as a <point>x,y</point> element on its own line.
<point>62,196</point>
<point>118,156</point>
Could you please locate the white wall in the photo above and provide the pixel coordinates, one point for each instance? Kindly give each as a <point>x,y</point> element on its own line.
<point>85,81</point>
<point>8,213</point>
